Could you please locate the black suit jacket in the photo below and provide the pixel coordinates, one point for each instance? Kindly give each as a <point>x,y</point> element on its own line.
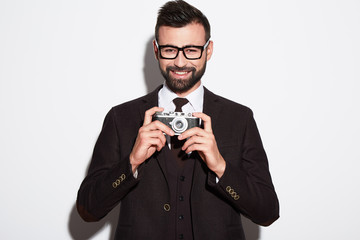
<point>245,187</point>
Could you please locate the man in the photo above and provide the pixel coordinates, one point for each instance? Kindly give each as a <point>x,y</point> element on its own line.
<point>220,170</point>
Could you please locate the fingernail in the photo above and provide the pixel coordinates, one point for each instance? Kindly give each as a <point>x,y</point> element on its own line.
<point>180,137</point>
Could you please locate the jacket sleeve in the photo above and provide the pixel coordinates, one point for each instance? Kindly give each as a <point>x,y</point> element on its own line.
<point>247,185</point>
<point>109,176</point>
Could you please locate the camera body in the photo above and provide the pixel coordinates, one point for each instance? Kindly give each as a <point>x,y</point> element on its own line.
<point>179,122</point>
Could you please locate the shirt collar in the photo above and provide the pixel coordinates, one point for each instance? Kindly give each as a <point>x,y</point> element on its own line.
<point>196,98</point>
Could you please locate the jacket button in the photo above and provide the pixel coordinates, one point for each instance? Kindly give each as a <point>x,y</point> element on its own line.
<point>122,177</point>
<point>167,207</point>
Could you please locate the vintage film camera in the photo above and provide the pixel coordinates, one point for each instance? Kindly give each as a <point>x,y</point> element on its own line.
<point>179,122</point>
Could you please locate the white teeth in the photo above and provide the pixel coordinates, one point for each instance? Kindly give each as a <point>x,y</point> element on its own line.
<point>181,73</point>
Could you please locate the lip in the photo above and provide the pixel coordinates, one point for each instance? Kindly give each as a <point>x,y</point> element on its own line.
<point>180,74</point>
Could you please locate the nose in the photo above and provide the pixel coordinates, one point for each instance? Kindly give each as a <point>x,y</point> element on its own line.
<point>180,60</point>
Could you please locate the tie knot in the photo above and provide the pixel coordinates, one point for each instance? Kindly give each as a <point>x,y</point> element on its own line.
<point>179,103</point>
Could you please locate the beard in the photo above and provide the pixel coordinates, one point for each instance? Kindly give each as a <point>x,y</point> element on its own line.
<point>182,85</point>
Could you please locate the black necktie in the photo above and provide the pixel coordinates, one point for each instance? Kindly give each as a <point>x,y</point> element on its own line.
<point>176,144</point>
<point>179,103</point>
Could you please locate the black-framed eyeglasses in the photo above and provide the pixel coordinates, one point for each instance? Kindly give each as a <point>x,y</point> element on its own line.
<point>190,52</point>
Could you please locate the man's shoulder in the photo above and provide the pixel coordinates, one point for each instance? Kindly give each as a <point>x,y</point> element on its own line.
<point>131,103</point>
<point>224,102</point>
<point>147,99</point>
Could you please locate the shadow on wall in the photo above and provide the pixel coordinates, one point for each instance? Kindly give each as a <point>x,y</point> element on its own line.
<point>152,75</point>
<point>80,230</point>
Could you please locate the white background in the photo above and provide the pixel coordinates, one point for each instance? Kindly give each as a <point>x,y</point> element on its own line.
<point>64,64</point>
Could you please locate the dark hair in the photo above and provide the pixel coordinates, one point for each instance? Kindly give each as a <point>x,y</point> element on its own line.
<point>178,14</point>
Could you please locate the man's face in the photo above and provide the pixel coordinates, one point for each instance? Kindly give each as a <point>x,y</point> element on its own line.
<point>183,75</point>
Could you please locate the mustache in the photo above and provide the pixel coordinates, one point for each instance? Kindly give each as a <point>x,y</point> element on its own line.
<point>180,69</point>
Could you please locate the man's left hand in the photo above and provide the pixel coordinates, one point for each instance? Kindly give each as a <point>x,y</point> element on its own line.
<point>203,141</point>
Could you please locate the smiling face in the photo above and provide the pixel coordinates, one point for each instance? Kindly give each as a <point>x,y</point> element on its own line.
<point>183,75</point>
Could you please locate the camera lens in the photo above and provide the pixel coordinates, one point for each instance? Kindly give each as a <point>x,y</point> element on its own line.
<point>179,124</point>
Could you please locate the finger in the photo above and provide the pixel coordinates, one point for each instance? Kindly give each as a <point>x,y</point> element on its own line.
<point>206,119</point>
<point>193,140</point>
<point>195,147</point>
<point>149,113</point>
<point>157,143</point>
<point>148,136</point>
<point>196,131</point>
<point>157,125</point>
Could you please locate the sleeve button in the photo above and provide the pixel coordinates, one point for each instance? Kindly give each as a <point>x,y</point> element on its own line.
<point>167,207</point>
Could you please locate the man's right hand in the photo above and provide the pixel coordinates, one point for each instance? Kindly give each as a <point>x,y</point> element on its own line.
<point>150,138</point>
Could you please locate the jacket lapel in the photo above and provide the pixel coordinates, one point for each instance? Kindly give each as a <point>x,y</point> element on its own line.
<point>149,101</point>
<point>212,106</point>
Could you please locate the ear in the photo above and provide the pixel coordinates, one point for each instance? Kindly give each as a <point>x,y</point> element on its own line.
<point>209,50</point>
<point>156,50</point>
